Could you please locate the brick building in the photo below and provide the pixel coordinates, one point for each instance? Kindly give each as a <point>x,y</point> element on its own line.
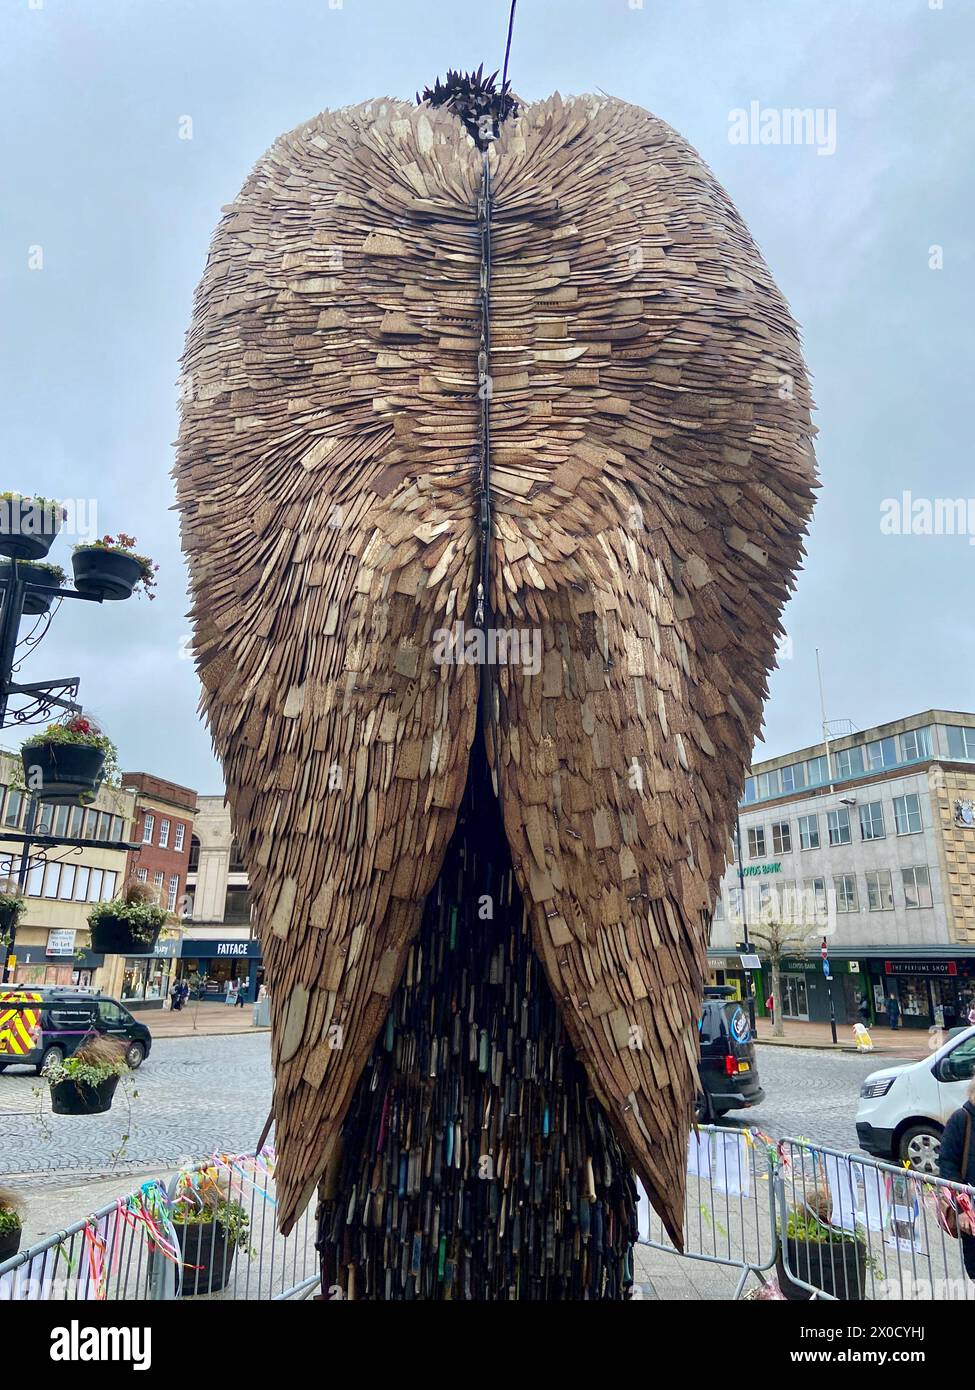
<point>163,826</point>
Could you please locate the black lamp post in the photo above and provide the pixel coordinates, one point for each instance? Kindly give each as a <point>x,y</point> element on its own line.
<point>744,924</point>
<point>21,591</point>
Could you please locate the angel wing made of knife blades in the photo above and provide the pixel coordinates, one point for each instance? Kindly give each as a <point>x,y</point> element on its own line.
<point>651,479</point>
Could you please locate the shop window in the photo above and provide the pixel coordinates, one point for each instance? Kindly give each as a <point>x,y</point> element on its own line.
<point>917,887</point>
<point>907,814</point>
<point>872,821</point>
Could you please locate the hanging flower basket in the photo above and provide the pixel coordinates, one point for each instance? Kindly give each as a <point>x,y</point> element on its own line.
<point>126,926</point>
<point>36,603</point>
<point>85,1083</point>
<point>28,525</point>
<point>66,763</point>
<point>112,569</point>
<point>81,1098</point>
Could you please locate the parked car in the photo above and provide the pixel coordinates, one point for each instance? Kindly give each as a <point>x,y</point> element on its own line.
<point>64,1018</point>
<point>903,1109</point>
<point>727,1069</point>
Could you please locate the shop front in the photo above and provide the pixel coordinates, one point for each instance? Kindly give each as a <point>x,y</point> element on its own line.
<point>211,967</point>
<point>930,993</point>
<point>57,962</point>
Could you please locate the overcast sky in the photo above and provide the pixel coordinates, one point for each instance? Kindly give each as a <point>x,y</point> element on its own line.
<point>94,96</point>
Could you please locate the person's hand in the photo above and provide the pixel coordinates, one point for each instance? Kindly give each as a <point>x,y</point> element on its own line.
<point>966,1225</point>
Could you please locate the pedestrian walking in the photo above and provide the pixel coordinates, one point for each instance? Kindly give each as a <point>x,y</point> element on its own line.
<point>956,1163</point>
<point>893,1011</point>
<point>241,989</point>
<point>184,994</point>
<point>971,1013</point>
<point>176,996</point>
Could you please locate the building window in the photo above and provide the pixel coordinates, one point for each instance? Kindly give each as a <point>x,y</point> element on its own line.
<point>907,814</point>
<point>180,831</point>
<point>95,885</point>
<point>839,826</point>
<point>815,890</point>
<point>756,842</point>
<point>157,879</point>
<point>77,822</point>
<point>794,777</point>
<point>718,909</point>
<point>11,814</point>
<point>916,743</point>
<point>91,823</point>
<point>872,821</point>
<point>880,894</point>
<point>809,832</point>
<point>734,904</point>
<point>845,886</point>
<point>61,821</point>
<point>105,826</point>
<point>148,825</point>
<point>52,872</point>
<point>881,753</point>
<point>108,885</point>
<point>816,771</point>
<point>848,762</point>
<point>45,820</point>
<point>173,890</point>
<point>749,790</point>
<point>81,884</point>
<point>917,887</point>
<point>961,742</point>
<point>236,907</point>
<point>782,838</point>
<point>193,863</point>
<point>66,888</point>
<point>118,828</point>
<point>142,875</point>
<point>769,784</point>
<point>237,865</point>
<point>164,834</point>
<point>35,880</point>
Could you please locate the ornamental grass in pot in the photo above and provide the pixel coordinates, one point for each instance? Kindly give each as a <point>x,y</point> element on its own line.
<point>85,1082</point>
<point>210,1230</point>
<point>827,1257</point>
<point>66,763</point>
<point>129,925</point>
<point>112,568</point>
<point>11,1223</point>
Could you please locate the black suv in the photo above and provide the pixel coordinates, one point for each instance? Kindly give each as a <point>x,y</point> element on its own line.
<point>727,1071</point>
<point>65,1018</point>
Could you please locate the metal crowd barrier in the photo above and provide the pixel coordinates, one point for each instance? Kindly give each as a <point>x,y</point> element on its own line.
<point>131,1249</point>
<point>824,1224</point>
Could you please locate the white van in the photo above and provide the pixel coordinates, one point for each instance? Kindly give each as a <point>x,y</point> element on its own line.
<point>904,1109</point>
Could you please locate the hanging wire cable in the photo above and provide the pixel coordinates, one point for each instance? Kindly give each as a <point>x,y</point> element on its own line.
<point>507,50</point>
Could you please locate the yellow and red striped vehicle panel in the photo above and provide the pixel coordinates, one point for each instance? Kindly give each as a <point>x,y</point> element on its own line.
<point>17,1023</point>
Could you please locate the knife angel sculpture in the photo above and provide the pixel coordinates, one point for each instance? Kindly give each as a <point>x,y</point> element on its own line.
<point>552,366</point>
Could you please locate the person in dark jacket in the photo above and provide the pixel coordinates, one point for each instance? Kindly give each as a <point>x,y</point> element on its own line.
<point>893,1011</point>
<point>958,1147</point>
<point>863,1009</point>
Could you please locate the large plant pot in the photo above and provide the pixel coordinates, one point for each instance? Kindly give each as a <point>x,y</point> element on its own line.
<point>208,1248</point>
<point>10,1244</point>
<point>34,603</point>
<point>114,937</point>
<point>27,532</point>
<point>78,1098</point>
<point>63,773</point>
<point>839,1269</point>
<point>107,573</point>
